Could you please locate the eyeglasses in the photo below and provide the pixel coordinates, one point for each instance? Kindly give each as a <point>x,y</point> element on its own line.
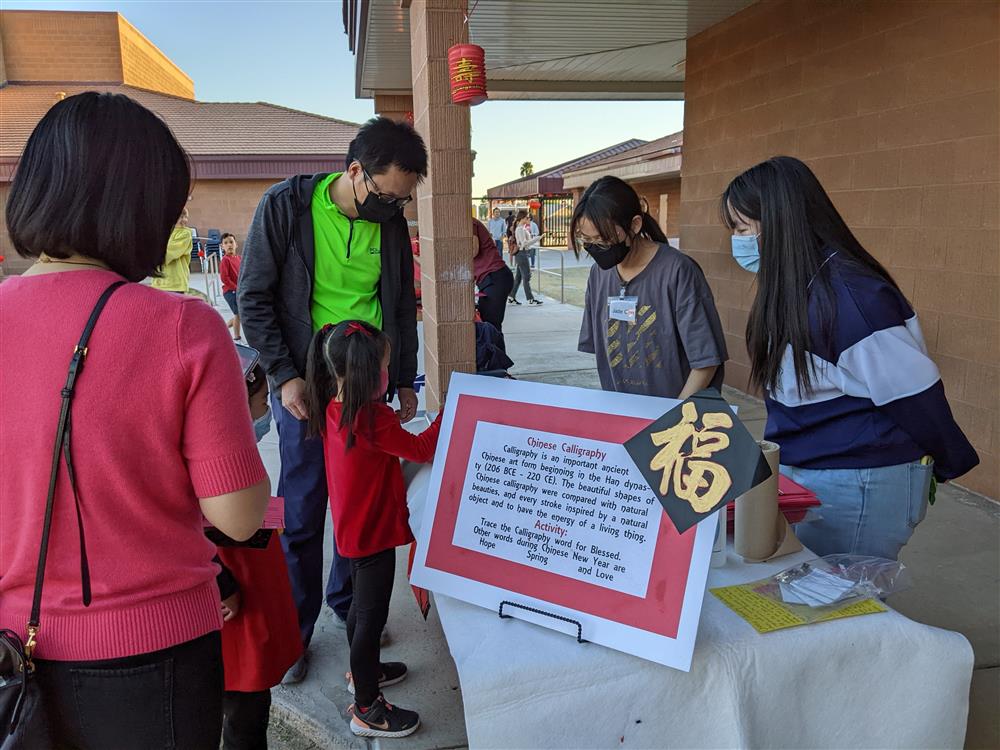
<point>384,198</point>
<point>600,245</point>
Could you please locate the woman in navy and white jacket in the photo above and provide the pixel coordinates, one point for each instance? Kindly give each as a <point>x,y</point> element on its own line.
<point>853,398</point>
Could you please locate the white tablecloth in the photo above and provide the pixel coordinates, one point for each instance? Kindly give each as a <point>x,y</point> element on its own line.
<point>878,681</point>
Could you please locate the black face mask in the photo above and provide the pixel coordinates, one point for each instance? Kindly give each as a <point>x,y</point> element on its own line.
<point>608,257</point>
<point>373,209</point>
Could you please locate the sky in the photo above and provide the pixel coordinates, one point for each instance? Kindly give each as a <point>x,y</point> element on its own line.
<point>295,54</point>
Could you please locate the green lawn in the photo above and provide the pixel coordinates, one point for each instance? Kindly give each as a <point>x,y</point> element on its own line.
<point>576,284</point>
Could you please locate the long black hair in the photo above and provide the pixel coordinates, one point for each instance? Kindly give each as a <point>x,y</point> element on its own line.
<point>799,231</point>
<point>351,353</point>
<point>103,176</point>
<point>610,203</point>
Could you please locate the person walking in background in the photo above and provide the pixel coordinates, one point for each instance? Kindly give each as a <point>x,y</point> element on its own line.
<point>498,229</point>
<point>323,249</point>
<point>853,399</point>
<point>128,650</point>
<point>175,273</point>
<point>532,225</point>
<point>649,315</point>
<point>511,240</point>
<point>229,273</point>
<point>493,278</point>
<point>524,254</point>
<point>347,374</point>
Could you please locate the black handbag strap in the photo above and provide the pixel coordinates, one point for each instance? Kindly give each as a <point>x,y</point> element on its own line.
<point>62,445</point>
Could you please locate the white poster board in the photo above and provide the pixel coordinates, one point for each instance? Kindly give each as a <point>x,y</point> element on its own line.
<point>533,501</point>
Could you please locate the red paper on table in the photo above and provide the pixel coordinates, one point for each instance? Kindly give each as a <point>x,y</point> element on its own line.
<point>794,501</point>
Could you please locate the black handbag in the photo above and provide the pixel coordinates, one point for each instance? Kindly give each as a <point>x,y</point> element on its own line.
<point>22,723</point>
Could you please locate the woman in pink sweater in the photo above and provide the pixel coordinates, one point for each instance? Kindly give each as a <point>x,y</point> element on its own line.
<point>128,651</point>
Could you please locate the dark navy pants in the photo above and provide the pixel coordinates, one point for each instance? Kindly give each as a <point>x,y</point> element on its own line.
<point>303,485</point>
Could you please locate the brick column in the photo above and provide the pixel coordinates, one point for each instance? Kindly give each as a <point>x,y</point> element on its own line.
<point>394,106</point>
<point>445,197</point>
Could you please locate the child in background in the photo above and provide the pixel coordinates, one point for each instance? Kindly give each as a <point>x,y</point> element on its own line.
<point>175,273</point>
<point>229,273</point>
<point>346,379</point>
<point>260,634</point>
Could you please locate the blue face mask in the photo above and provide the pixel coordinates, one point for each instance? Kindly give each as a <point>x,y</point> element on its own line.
<point>747,252</point>
<point>262,425</point>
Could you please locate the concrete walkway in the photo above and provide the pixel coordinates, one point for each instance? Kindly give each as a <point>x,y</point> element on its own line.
<point>954,557</point>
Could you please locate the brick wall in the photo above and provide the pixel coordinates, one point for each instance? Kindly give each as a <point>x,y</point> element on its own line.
<point>895,106</point>
<point>144,66</point>
<point>652,191</point>
<point>47,46</point>
<point>54,46</point>
<point>226,205</point>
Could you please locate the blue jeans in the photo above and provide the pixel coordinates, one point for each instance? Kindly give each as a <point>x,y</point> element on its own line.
<point>864,511</point>
<point>303,485</point>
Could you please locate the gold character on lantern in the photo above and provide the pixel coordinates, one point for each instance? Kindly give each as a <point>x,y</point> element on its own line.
<point>701,483</point>
<point>465,70</point>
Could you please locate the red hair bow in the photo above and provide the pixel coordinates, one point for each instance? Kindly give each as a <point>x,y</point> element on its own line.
<point>355,327</point>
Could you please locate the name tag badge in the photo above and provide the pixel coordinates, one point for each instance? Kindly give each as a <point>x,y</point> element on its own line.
<point>622,308</point>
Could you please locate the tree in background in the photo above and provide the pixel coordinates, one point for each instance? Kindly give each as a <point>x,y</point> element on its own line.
<point>527,168</point>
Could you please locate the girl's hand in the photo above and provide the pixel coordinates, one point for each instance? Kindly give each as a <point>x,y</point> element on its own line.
<point>230,607</point>
<point>407,404</point>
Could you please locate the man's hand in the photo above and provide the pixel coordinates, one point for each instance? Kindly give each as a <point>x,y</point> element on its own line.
<point>293,398</point>
<point>407,404</point>
<point>231,607</point>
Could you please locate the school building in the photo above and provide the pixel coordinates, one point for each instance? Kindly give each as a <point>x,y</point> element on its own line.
<point>237,150</point>
<point>895,105</point>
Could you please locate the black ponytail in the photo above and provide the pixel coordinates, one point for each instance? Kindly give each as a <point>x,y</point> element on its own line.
<point>350,353</point>
<point>610,203</point>
<point>651,228</point>
<point>321,385</point>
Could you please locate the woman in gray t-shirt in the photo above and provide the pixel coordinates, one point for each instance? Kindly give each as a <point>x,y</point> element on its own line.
<point>649,314</point>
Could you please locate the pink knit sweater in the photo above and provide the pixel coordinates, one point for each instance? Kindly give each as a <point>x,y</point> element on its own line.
<point>160,418</point>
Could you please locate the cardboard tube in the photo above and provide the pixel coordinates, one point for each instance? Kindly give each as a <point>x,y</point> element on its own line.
<point>756,532</point>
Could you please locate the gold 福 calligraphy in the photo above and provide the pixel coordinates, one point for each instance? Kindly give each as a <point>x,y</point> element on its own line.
<point>701,483</point>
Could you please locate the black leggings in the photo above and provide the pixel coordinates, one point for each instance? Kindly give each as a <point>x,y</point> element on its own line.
<point>165,699</point>
<point>372,579</point>
<point>496,287</point>
<point>246,719</point>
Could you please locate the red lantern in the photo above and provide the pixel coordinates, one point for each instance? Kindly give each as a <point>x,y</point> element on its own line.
<point>534,205</point>
<point>467,70</point>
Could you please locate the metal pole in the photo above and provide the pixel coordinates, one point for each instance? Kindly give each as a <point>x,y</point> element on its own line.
<point>562,277</point>
<point>214,269</point>
<point>538,268</point>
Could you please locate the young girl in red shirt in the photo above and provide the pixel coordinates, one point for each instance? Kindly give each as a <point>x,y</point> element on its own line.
<point>346,379</point>
<point>260,632</point>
